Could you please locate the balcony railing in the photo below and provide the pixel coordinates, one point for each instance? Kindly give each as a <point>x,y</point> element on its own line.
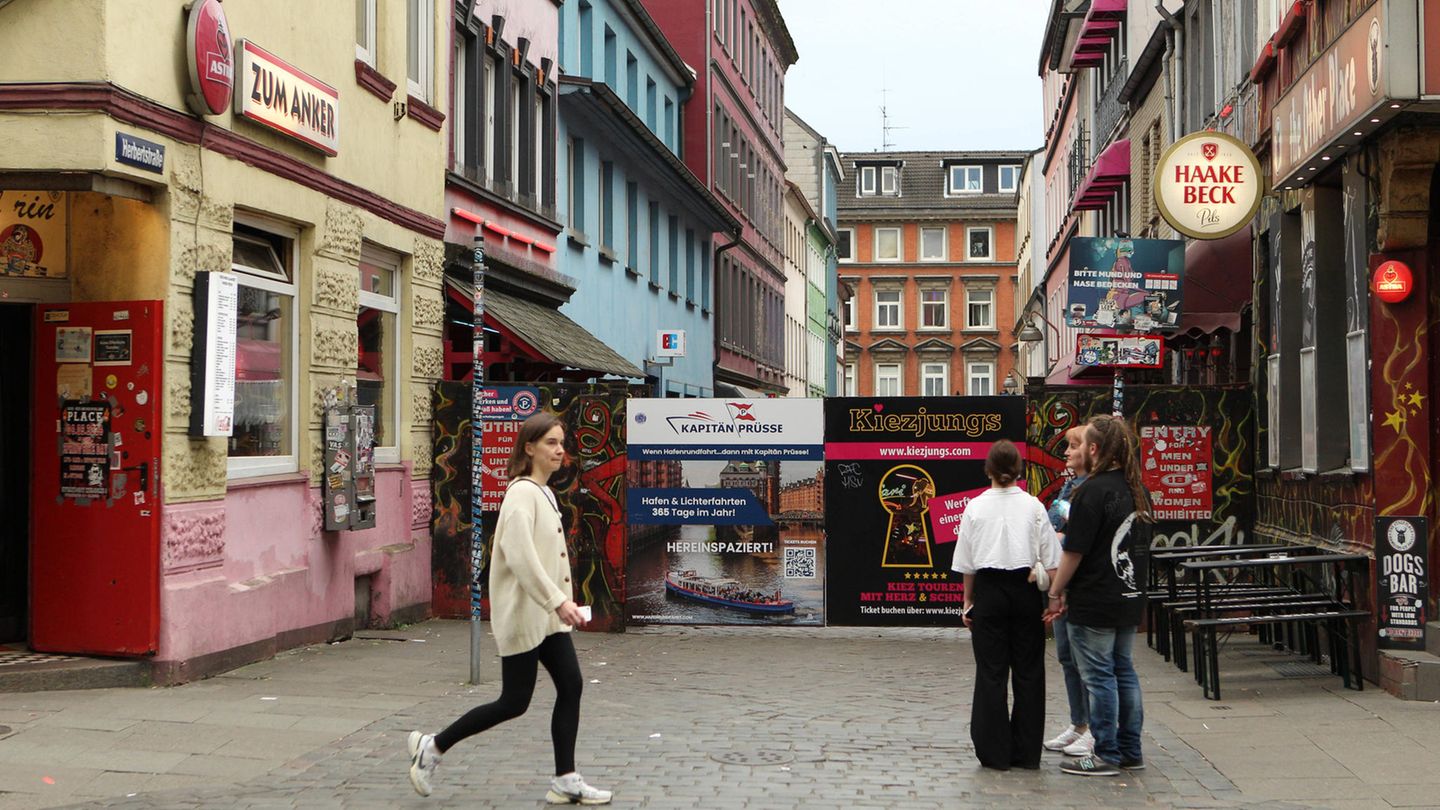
<point>1108,108</point>
<point>1078,162</point>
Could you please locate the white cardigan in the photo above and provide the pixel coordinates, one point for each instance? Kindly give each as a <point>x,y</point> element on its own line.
<point>529,570</point>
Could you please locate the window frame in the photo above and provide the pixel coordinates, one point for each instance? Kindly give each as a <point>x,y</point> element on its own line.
<point>971,377</point>
<point>955,190</point>
<point>368,50</point>
<point>380,257</point>
<point>898,303</point>
<point>944,304</point>
<point>989,243</point>
<point>899,377</point>
<point>850,258</point>
<point>899,244</point>
<point>848,320</point>
<point>893,174</point>
<point>970,293</point>
<point>423,86</point>
<point>850,380</point>
<point>926,366</point>
<point>864,188</point>
<point>1014,178</point>
<point>944,243</point>
<point>254,466</point>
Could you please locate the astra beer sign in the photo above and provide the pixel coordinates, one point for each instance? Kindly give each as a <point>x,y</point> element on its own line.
<point>1208,185</point>
<point>286,99</point>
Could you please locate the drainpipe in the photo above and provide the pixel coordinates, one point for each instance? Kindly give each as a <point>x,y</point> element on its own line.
<point>1175,73</point>
<point>715,330</point>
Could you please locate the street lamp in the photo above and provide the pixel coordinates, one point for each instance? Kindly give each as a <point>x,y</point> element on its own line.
<point>1030,333</point>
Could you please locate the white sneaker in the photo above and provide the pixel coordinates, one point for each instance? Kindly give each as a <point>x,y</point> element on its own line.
<point>1082,747</point>
<point>571,789</point>
<point>1066,737</point>
<point>423,759</point>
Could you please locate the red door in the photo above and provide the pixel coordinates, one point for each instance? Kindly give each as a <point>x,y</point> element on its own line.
<point>95,537</point>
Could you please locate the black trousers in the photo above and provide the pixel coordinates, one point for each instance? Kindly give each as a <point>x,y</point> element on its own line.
<point>517,684</point>
<point>1009,640</point>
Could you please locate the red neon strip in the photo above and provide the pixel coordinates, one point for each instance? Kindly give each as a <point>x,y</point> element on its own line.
<point>494,226</point>
<point>544,247</point>
<point>467,216</point>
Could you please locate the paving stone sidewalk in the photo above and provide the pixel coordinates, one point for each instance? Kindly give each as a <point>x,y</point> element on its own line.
<point>696,718</point>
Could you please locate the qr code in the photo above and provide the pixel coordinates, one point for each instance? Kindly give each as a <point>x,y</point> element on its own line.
<point>799,563</point>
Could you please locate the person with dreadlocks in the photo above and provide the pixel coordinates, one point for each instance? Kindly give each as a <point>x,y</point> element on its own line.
<point>1096,590</point>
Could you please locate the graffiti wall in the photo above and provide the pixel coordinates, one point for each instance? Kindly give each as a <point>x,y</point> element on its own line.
<point>590,488</point>
<point>1184,430</point>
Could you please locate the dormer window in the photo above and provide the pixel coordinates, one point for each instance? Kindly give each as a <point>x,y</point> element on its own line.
<point>965,180</point>
<point>878,180</point>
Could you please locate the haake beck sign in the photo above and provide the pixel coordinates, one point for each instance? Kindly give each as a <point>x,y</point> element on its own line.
<point>1208,185</point>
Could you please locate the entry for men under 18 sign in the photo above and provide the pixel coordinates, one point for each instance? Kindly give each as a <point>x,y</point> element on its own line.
<point>899,473</point>
<point>724,503</point>
<point>1400,557</point>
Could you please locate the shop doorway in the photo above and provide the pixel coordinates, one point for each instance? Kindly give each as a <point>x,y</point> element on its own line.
<point>15,337</point>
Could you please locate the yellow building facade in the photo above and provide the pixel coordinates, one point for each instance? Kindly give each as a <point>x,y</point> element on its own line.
<point>337,261</point>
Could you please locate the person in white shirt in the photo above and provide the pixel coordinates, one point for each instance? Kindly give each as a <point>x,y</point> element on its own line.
<point>1004,533</point>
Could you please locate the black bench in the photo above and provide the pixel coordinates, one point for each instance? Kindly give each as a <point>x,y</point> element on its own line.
<point>1171,637</point>
<point>1339,620</point>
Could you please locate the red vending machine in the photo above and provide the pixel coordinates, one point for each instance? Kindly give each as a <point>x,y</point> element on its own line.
<point>95,538</point>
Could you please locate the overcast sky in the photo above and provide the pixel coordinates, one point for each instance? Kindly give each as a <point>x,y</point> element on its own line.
<point>960,74</point>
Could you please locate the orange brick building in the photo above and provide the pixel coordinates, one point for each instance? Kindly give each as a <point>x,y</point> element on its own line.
<point>927,242</point>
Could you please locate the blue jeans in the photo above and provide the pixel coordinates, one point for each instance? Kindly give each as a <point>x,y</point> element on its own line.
<point>1116,714</point>
<point>1074,686</point>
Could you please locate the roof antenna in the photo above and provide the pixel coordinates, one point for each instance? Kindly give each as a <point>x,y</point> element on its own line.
<point>885,125</point>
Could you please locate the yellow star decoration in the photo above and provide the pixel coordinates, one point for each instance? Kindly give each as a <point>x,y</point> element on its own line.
<point>1396,419</point>
<point>1415,399</point>
<point>1409,386</point>
<point>907,574</point>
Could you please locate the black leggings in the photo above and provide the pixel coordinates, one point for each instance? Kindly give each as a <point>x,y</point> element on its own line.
<point>517,679</point>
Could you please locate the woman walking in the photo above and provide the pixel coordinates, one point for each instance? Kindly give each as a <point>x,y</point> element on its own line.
<point>1108,516</point>
<point>1003,535</point>
<point>1076,740</point>
<point>531,614</point>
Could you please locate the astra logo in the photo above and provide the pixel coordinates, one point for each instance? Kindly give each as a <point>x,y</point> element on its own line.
<point>739,419</point>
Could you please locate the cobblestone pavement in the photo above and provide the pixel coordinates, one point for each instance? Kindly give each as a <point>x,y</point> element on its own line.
<point>682,718</point>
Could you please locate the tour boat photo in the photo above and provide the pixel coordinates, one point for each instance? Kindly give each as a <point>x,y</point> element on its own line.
<point>724,593</point>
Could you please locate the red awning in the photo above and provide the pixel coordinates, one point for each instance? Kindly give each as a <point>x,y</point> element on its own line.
<point>1217,283</point>
<point>1110,171</point>
<point>1101,25</point>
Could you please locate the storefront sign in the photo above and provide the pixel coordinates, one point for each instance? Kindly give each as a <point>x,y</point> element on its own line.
<point>899,472</point>
<point>1393,282</point>
<point>1208,185</point>
<point>1175,467</point>
<point>33,231</point>
<point>85,450</point>
<point>1401,559</point>
<point>286,99</point>
<point>670,343</point>
<point>505,408</point>
<point>1120,351</point>
<point>724,502</point>
<point>1343,86</point>
<point>140,153</point>
<point>212,360</point>
<point>209,58</point>
<point>1132,285</point>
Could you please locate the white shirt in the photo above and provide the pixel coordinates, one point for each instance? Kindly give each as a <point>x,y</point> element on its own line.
<point>1001,528</point>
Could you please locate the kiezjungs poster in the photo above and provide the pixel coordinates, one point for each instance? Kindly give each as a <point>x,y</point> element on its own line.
<point>726,520</point>
<point>898,475</point>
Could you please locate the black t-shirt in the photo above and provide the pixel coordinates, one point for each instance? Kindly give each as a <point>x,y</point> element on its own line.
<point>1104,592</point>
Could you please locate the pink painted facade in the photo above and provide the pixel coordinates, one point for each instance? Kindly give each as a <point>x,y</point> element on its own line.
<point>254,573</point>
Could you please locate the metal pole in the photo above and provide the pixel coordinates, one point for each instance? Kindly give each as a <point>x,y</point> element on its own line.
<point>477,454</point>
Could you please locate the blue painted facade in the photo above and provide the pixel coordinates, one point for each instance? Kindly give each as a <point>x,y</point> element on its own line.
<point>639,228</point>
